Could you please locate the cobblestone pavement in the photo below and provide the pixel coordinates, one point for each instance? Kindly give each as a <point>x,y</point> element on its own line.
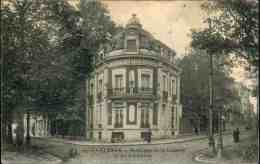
<point>175,153</point>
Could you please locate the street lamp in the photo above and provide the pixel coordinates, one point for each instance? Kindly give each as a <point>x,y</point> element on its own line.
<point>211,137</point>
<point>220,138</point>
<point>211,108</point>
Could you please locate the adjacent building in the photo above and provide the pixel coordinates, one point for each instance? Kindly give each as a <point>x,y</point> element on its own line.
<point>135,87</point>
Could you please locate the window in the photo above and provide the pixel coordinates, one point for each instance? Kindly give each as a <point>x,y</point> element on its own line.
<point>162,50</point>
<point>131,78</point>
<point>100,89</point>
<point>100,85</point>
<point>172,120</point>
<point>145,116</point>
<point>99,135</point>
<point>131,113</point>
<point>145,81</point>
<point>119,118</point>
<point>173,87</point>
<point>131,45</point>
<point>131,81</point>
<point>119,81</point>
<point>99,114</point>
<point>118,114</point>
<point>155,114</point>
<point>164,83</point>
<point>163,108</point>
<point>109,114</point>
<point>91,89</point>
<point>170,88</point>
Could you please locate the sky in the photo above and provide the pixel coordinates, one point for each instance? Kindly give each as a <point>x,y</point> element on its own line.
<point>168,21</point>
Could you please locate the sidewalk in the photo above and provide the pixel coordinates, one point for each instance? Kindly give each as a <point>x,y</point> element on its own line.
<point>229,154</point>
<point>154,142</point>
<point>28,158</point>
<point>179,139</point>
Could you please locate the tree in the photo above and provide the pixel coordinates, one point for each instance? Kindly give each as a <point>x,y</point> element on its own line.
<point>23,41</point>
<point>48,52</point>
<point>81,34</point>
<point>33,65</point>
<point>234,29</point>
<point>195,88</point>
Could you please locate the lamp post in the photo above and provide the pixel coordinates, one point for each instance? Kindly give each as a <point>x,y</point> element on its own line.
<point>28,137</point>
<point>211,107</point>
<point>211,137</point>
<point>220,138</point>
<point>221,101</point>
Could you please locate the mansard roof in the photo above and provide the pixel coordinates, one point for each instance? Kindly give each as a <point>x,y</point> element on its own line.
<point>147,40</point>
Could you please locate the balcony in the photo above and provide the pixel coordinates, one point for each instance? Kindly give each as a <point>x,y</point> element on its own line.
<point>143,52</point>
<point>145,125</point>
<point>118,125</point>
<point>131,92</point>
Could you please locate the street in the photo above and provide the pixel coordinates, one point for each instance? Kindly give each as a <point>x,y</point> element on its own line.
<point>175,153</point>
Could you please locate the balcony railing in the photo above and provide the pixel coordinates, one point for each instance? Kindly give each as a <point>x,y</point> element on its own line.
<point>130,91</point>
<point>145,51</point>
<point>145,125</point>
<point>118,125</point>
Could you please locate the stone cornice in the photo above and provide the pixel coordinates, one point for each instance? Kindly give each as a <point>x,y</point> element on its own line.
<point>142,54</point>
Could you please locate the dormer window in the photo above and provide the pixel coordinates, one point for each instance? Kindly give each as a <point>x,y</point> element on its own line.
<point>131,45</point>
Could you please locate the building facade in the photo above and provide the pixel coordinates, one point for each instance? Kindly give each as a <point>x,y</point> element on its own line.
<point>135,87</point>
<point>39,125</point>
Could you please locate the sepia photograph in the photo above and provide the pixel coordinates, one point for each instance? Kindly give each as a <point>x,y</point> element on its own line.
<point>129,81</point>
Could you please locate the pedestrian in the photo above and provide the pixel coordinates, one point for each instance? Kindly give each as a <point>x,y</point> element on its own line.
<point>196,131</point>
<point>237,134</point>
<point>234,136</point>
<point>149,135</point>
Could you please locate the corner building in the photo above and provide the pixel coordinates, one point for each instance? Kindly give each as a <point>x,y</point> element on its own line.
<point>135,87</point>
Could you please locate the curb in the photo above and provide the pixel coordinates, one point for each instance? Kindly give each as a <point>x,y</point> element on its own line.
<point>197,158</point>
<point>47,162</point>
<point>58,161</point>
<point>131,144</point>
<point>127,144</point>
